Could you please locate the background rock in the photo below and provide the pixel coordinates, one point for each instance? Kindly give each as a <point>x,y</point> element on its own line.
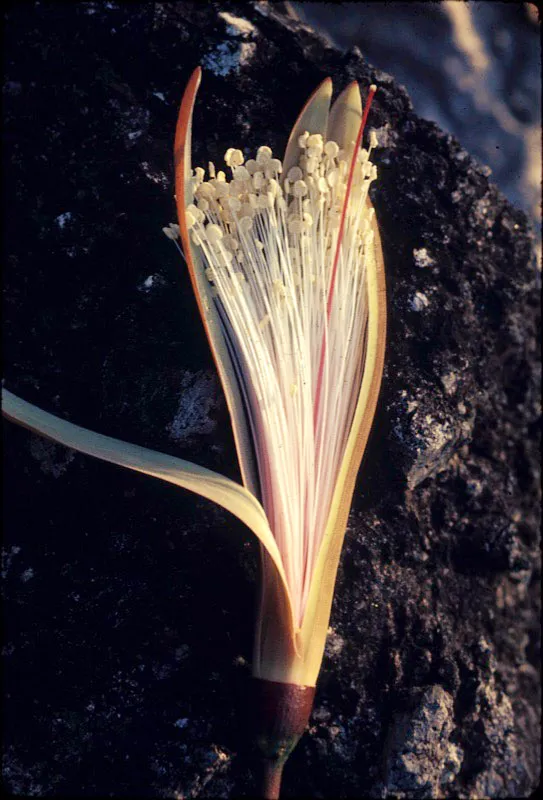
<point>130,604</point>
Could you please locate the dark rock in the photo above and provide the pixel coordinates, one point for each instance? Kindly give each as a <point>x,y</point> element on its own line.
<point>129,639</point>
<point>421,760</point>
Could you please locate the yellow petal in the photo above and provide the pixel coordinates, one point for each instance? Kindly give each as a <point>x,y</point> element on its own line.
<point>227,493</point>
<point>345,118</point>
<point>317,615</point>
<point>202,290</point>
<point>313,118</point>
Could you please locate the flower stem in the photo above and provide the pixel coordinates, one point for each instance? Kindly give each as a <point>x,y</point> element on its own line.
<point>281,713</point>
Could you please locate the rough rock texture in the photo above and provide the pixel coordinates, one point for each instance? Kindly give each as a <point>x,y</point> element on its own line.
<point>129,603</point>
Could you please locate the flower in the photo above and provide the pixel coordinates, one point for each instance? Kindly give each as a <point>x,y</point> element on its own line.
<point>286,265</point>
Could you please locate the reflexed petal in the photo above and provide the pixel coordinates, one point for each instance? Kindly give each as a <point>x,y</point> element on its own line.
<point>211,485</point>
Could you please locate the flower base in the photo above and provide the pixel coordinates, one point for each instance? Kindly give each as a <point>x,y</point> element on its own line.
<point>281,713</point>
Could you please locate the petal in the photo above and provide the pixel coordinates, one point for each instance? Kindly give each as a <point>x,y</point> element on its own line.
<point>317,614</point>
<point>227,493</point>
<point>313,118</point>
<point>345,118</point>
<point>202,290</point>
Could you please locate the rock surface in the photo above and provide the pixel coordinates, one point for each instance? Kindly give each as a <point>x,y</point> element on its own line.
<point>130,604</point>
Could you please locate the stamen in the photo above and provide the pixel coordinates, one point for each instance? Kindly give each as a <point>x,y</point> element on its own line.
<point>294,312</point>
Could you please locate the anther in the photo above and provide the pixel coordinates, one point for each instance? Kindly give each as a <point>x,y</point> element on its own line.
<point>294,174</point>
<point>315,140</point>
<point>214,233</point>
<point>331,149</point>
<point>237,158</point>
<point>245,224</point>
<point>263,155</point>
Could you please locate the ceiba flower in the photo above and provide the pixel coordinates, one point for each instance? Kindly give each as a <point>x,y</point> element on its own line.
<point>286,265</point>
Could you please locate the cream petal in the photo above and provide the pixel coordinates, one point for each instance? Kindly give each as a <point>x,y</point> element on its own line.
<point>313,118</point>
<point>317,614</point>
<point>211,485</point>
<point>345,118</point>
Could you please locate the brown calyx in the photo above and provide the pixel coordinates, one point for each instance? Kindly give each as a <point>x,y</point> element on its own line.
<point>281,712</point>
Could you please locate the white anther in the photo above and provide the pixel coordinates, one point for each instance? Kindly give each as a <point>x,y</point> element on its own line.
<point>234,204</point>
<point>311,165</point>
<point>315,140</point>
<point>170,234</point>
<point>362,156</point>
<point>237,158</point>
<point>322,185</point>
<point>221,188</point>
<point>230,243</point>
<point>235,188</point>
<point>332,177</point>
<point>295,224</point>
<point>224,258</point>
<point>263,155</point>
<point>331,149</point>
<point>228,156</point>
<point>241,174</point>
<point>199,174</point>
<point>206,190</point>
<point>251,166</point>
<point>300,189</point>
<point>258,180</point>
<point>203,205</point>
<point>198,215</point>
<point>374,141</point>
<point>276,165</point>
<point>214,233</point>
<point>274,187</point>
<point>211,169</point>
<point>245,225</point>
<point>302,140</point>
<point>294,174</point>
<point>308,220</point>
<point>373,173</point>
<point>221,177</point>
